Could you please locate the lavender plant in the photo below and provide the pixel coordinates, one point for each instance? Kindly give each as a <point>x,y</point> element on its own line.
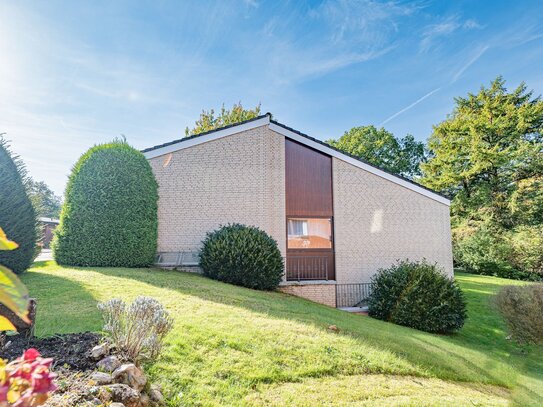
<point>137,330</point>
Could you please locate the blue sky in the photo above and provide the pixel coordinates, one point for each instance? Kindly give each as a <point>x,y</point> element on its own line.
<point>73,74</point>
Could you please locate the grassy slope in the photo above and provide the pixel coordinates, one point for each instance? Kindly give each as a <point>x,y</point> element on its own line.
<point>232,345</point>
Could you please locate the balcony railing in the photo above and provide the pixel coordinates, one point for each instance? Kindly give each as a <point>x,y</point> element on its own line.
<point>352,295</point>
<point>303,268</point>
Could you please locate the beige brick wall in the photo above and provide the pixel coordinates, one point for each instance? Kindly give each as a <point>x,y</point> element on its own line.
<point>377,222</point>
<point>239,178</point>
<point>321,293</point>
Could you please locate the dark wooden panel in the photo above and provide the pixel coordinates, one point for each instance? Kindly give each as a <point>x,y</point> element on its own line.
<point>310,265</point>
<point>308,181</point>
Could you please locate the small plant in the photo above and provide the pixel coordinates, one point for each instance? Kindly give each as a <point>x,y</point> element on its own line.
<point>417,295</point>
<point>242,255</point>
<point>522,309</point>
<point>27,381</point>
<point>137,330</point>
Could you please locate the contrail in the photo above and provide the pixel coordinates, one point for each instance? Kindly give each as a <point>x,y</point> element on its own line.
<point>405,109</point>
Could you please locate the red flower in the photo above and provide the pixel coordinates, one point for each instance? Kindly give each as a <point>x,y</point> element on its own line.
<point>31,354</point>
<point>42,380</point>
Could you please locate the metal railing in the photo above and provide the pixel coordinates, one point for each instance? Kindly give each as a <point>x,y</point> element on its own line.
<point>352,295</point>
<point>302,268</point>
<point>174,259</point>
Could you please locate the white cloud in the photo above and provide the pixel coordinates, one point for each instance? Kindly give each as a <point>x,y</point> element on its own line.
<point>433,32</point>
<point>478,54</point>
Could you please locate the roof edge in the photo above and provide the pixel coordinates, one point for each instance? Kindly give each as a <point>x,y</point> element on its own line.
<point>248,123</point>
<point>289,132</point>
<point>356,161</point>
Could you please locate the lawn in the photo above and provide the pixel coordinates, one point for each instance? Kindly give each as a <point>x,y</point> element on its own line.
<point>234,346</point>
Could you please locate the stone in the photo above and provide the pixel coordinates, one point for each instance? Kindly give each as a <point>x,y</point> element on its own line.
<point>116,405</point>
<point>122,393</point>
<point>96,402</point>
<point>144,400</point>
<point>109,364</point>
<point>101,378</point>
<point>155,394</point>
<point>131,375</point>
<point>99,351</point>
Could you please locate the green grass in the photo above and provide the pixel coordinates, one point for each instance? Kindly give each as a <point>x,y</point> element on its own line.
<point>234,346</point>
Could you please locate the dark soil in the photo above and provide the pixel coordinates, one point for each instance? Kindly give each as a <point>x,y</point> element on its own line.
<point>69,350</point>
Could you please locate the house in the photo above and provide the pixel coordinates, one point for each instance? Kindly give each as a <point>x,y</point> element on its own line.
<point>48,225</point>
<point>336,219</point>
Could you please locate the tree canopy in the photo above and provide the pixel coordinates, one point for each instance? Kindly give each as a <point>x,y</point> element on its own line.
<point>379,147</point>
<point>209,120</point>
<point>488,154</point>
<point>45,202</point>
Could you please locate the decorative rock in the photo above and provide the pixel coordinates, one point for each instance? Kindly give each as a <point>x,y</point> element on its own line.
<point>109,364</point>
<point>155,394</point>
<point>96,402</point>
<point>99,351</point>
<point>131,375</point>
<point>101,378</point>
<point>116,405</point>
<point>122,393</point>
<point>144,400</point>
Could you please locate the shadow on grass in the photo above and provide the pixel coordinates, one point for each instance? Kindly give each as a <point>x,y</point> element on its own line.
<point>456,357</point>
<point>66,305</point>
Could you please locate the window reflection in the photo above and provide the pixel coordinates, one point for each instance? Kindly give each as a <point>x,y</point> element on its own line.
<point>309,233</point>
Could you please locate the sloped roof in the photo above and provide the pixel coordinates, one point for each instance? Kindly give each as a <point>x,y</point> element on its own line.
<point>295,135</point>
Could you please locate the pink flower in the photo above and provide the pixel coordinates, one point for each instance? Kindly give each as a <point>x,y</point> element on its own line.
<point>42,380</point>
<point>31,354</point>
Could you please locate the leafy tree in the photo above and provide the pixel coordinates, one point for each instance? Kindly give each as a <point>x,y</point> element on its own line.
<point>209,121</point>
<point>17,215</point>
<point>109,217</point>
<point>45,202</point>
<point>488,154</point>
<point>380,148</point>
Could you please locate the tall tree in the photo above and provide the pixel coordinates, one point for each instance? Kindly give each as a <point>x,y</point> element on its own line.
<point>45,202</point>
<point>17,215</point>
<point>380,147</point>
<point>209,120</point>
<point>488,154</point>
<point>488,150</point>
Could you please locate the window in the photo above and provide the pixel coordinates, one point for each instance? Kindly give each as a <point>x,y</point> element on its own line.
<point>309,233</point>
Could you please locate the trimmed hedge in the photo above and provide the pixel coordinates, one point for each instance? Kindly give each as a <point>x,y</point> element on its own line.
<point>109,216</point>
<point>417,295</point>
<point>17,215</point>
<point>242,255</point>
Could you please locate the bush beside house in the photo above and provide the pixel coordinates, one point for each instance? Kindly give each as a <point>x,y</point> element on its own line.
<point>242,255</point>
<point>17,215</point>
<point>109,217</point>
<point>417,295</point>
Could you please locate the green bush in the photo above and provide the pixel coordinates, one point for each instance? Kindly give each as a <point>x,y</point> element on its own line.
<point>417,295</point>
<point>242,255</point>
<point>17,215</point>
<point>109,217</point>
<point>522,309</point>
<point>515,254</point>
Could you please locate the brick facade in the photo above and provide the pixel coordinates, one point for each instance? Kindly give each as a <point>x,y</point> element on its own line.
<point>321,293</point>
<point>377,222</point>
<point>238,178</point>
<point>241,178</point>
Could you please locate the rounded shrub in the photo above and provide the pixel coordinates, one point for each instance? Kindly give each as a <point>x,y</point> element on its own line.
<point>417,295</point>
<point>17,215</point>
<point>109,216</point>
<point>242,255</point>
